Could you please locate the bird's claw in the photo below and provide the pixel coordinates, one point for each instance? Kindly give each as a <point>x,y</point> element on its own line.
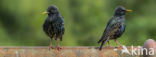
<point>120,47</point>
<point>51,47</point>
<point>109,46</point>
<point>59,48</point>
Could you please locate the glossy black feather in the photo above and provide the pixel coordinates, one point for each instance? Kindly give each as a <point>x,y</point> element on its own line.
<point>115,27</point>
<point>54,23</point>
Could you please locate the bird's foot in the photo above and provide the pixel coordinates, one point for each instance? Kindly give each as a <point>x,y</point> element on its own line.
<point>120,47</point>
<point>109,46</point>
<point>58,47</point>
<point>51,47</point>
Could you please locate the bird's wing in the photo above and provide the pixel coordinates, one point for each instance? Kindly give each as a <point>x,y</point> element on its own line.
<point>47,27</point>
<point>62,28</point>
<point>62,24</point>
<point>59,27</point>
<point>110,30</point>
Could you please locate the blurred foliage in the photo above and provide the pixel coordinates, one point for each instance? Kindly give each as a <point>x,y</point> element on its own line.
<point>85,20</point>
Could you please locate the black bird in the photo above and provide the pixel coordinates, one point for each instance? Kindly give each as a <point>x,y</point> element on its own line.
<point>54,25</point>
<point>115,27</point>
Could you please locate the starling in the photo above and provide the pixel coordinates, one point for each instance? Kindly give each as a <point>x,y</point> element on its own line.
<point>54,25</point>
<point>115,27</point>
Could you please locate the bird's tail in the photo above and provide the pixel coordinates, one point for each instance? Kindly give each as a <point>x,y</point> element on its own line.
<point>103,42</point>
<point>101,45</point>
<point>102,39</point>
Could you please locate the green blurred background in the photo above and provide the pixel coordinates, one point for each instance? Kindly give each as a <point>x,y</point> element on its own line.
<point>85,20</point>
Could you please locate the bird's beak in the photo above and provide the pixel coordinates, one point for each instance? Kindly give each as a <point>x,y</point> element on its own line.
<point>128,10</point>
<point>45,12</point>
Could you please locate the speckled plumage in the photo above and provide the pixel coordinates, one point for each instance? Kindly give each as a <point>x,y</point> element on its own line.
<point>115,27</point>
<point>54,24</point>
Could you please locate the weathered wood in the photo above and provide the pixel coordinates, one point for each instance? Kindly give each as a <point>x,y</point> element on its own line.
<point>38,51</point>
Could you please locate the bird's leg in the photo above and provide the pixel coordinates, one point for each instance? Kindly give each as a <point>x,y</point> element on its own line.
<point>118,43</point>
<point>58,47</point>
<point>50,45</point>
<point>120,46</point>
<point>109,46</point>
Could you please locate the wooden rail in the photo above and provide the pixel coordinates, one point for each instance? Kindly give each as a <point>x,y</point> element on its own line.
<point>43,51</point>
<point>81,51</point>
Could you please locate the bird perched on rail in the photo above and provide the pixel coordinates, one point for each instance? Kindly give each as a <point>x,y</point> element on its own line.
<point>54,25</point>
<point>115,27</point>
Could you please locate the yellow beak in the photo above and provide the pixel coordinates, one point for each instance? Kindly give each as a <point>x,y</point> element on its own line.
<point>45,12</point>
<point>128,10</point>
